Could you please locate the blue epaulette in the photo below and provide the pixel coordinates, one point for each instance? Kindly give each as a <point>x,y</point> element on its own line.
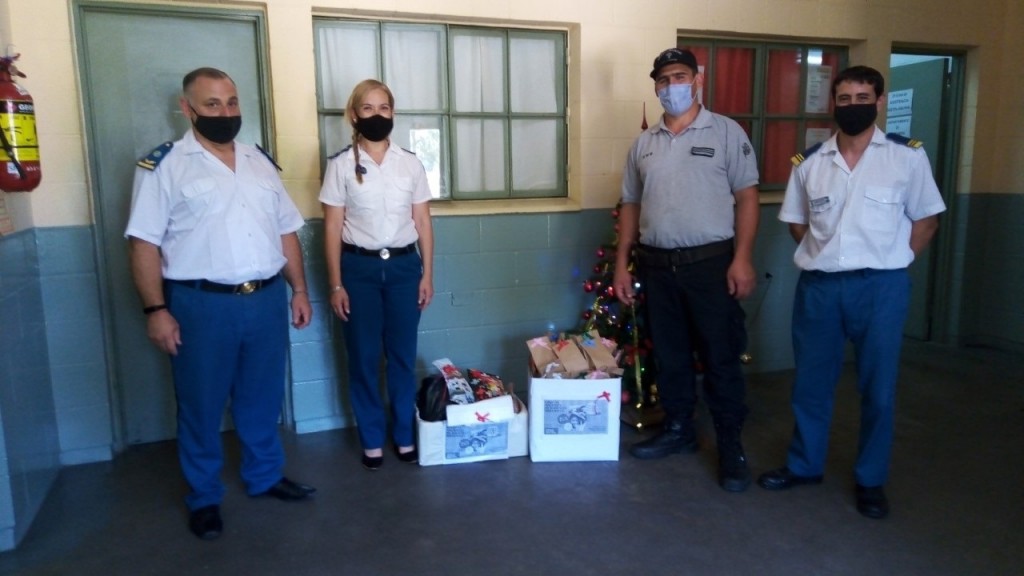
<point>155,157</point>
<point>269,157</point>
<point>799,158</point>
<point>340,152</point>
<point>901,139</point>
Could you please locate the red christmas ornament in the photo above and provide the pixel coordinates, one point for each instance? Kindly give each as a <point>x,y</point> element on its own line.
<point>586,315</point>
<point>610,291</point>
<point>615,214</point>
<point>597,269</point>
<point>588,286</point>
<point>600,252</point>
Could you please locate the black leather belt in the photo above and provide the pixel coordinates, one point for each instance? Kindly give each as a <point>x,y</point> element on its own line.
<point>665,257</point>
<point>383,253</point>
<point>243,288</point>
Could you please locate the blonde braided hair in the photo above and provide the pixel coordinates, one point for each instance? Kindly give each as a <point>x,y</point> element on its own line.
<point>356,99</point>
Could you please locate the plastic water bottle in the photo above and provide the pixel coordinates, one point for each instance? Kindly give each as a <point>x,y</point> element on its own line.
<point>551,332</point>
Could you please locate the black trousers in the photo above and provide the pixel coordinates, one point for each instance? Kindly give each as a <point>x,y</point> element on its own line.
<point>689,309</point>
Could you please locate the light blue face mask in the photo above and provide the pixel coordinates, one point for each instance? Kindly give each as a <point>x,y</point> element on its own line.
<point>676,99</point>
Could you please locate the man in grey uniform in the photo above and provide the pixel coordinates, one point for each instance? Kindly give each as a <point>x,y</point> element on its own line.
<point>690,210</point>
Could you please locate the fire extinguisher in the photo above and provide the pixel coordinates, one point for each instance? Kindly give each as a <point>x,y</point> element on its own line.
<point>19,148</point>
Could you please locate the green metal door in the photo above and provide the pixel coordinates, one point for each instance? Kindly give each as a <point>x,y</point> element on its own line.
<point>131,60</point>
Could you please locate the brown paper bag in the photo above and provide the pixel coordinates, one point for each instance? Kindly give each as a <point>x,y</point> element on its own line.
<point>541,354</point>
<point>571,357</point>
<point>599,356</point>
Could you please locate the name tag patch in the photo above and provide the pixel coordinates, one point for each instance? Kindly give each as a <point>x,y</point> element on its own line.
<point>820,204</point>
<point>698,151</point>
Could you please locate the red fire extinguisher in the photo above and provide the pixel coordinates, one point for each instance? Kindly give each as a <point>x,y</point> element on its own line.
<point>19,148</point>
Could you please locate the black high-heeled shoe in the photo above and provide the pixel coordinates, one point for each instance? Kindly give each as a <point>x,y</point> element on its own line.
<point>372,462</point>
<point>410,457</point>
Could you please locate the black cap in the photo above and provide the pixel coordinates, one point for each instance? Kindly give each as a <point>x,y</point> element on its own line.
<point>674,56</point>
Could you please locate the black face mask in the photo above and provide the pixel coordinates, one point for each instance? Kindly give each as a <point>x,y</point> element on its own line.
<point>375,128</point>
<point>855,118</point>
<point>219,129</point>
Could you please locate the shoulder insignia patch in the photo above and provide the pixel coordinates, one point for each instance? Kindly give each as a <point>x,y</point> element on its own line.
<point>340,152</point>
<point>155,157</point>
<point>269,157</point>
<point>799,158</point>
<point>409,151</point>
<point>901,139</point>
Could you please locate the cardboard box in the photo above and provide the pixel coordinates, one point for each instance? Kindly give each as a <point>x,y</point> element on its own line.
<point>574,419</point>
<point>493,429</point>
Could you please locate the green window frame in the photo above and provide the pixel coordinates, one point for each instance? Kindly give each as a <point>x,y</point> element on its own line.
<point>483,107</point>
<point>779,92</point>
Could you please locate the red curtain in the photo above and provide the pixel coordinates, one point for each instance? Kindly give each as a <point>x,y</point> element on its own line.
<point>734,81</point>
<point>782,95</point>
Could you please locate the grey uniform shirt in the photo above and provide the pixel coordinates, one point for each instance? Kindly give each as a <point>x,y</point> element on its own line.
<point>685,183</point>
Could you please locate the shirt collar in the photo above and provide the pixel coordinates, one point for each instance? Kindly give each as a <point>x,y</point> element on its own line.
<point>190,145</point>
<point>831,146</point>
<point>703,120</point>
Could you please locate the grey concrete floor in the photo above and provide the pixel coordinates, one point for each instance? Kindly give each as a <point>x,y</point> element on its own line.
<point>957,493</point>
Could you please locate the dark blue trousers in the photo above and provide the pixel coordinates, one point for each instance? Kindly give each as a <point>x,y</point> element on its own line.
<point>869,308</point>
<point>384,301</point>
<point>689,308</point>
<point>233,347</point>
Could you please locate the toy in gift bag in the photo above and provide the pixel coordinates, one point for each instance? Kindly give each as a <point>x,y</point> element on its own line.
<point>459,390</point>
<point>485,385</point>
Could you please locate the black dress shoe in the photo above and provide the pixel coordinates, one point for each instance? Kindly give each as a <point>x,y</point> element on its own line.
<point>410,457</point>
<point>784,479</point>
<point>285,489</point>
<point>871,502</point>
<point>205,522</point>
<point>678,436</point>
<point>372,462</point>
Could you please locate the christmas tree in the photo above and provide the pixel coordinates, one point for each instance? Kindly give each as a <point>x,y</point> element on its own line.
<point>627,327</point>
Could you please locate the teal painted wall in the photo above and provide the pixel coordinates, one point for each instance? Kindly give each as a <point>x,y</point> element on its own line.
<point>29,449</point>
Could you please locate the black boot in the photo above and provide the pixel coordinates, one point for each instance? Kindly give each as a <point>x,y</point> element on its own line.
<point>677,436</point>
<point>733,473</point>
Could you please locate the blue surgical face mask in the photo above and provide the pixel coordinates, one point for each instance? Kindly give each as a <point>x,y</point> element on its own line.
<point>676,99</point>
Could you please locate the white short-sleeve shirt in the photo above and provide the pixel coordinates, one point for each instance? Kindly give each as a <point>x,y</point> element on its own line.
<point>860,218</point>
<point>209,222</point>
<point>378,211</point>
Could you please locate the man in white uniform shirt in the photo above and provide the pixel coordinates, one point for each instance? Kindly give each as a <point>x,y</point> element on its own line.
<point>861,206</point>
<point>212,231</point>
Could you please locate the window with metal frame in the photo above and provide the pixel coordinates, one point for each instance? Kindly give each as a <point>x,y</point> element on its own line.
<point>483,108</point>
<point>778,92</point>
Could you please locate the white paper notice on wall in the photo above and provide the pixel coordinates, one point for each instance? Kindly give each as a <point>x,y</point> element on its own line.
<point>899,125</point>
<point>900,103</point>
<point>819,89</point>
<point>815,135</point>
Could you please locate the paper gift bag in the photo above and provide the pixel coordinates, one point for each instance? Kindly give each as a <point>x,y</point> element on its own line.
<point>597,352</point>
<point>570,356</point>
<point>542,356</point>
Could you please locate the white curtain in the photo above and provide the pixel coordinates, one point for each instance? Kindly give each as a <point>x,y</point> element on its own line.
<point>414,66</point>
<point>348,55</point>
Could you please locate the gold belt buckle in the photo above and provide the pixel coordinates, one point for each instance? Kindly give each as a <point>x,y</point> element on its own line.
<point>247,287</point>
<point>385,254</point>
